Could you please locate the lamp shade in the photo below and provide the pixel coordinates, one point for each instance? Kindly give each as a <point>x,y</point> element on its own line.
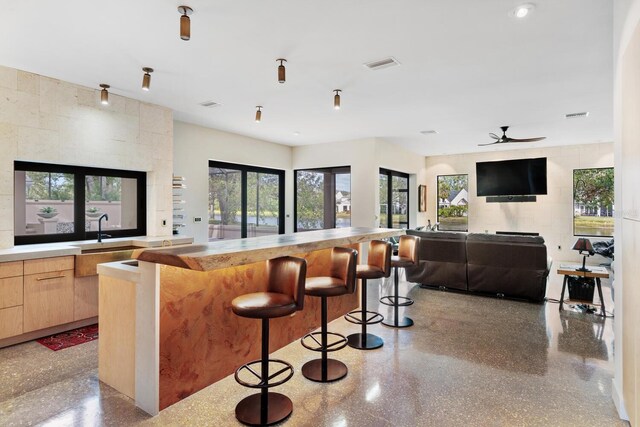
<point>583,245</point>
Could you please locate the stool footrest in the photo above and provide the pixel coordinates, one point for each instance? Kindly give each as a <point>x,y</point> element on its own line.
<point>389,300</point>
<point>374,317</point>
<point>339,344</point>
<point>265,383</point>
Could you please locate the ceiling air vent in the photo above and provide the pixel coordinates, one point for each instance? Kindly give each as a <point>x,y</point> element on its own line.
<point>209,104</point>
<point>428,132</point>
<point>382,63</point>
<point>576,115</point>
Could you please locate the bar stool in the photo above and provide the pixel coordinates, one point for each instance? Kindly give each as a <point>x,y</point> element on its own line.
<point>378,265</point>
<point>284,296</point>
<point>407,256</point>
<point>341,281</point>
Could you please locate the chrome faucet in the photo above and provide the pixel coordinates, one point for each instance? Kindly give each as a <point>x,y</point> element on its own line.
<point>100,235</point>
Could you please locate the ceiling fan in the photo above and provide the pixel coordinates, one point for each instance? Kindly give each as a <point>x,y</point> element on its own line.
<point>505,139</point>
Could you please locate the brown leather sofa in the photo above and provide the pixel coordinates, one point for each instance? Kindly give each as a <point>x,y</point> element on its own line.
<point>503,265</point>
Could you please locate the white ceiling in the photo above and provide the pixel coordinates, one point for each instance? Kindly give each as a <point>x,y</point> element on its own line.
<point>467,66</point>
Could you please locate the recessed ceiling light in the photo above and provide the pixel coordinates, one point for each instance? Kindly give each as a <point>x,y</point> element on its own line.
<point>523,10</point>
<point>382,63</point>
<point>296,133</point>
<point>428,132</point>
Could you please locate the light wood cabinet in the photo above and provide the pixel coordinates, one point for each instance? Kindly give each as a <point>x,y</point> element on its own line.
<point>46,265</point>
<point>10,292</point>
<point>86,297</point>
<point>11,269</point>
<point>10,321</point>
<point>48,299</point>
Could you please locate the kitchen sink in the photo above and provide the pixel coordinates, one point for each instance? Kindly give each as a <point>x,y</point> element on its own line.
<point>113,249</point>
<point>87,262</point>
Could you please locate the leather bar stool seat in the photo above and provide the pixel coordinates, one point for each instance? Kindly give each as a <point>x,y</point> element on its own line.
<point>340,281</point>
<point>284,296</point>
<point>407,257</point>
<point>378,266</point>
<point>261,305</point>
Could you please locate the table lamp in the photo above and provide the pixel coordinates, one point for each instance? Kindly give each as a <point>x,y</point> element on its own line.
<point>583,245</point>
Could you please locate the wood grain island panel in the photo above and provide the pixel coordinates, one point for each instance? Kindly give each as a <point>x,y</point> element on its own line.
<point>187,337</point>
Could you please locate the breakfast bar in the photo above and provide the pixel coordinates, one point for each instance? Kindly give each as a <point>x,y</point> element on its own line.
<point>166,326</point>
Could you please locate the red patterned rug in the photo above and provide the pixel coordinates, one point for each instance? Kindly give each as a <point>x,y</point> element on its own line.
<point>70,338</point>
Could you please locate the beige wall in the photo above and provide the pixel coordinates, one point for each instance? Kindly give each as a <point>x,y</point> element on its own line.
<point>551,215</point>
<point>628,161</point>
<point>196,145</point>
<point>51,121</point>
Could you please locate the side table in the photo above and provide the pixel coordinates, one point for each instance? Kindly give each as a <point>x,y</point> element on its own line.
<point>594,272</point>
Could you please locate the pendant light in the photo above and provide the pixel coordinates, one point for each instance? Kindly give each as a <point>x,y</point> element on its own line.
<point>104,94</point>
<point>336,99</point>
<point>146,79</point>
<point>281,71</point>
<point>185,22</point>
<point>258,113</point>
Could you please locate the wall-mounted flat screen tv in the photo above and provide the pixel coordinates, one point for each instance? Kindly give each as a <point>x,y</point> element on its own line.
<point>512,177</point>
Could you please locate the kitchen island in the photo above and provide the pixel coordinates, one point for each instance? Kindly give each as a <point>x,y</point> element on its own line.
<point>167,329</point>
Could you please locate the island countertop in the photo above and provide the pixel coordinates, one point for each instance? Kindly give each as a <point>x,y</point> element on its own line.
<point>229,253</point>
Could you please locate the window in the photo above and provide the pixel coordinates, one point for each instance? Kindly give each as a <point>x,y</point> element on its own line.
<point>54,203</point>
<point>453,203</point>
<point>322,198</point>
<point>593,199</point>
<point>394,199</point>
<point>244,201</point>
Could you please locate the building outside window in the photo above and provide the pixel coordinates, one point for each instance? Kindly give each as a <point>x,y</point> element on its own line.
<point>593,202</point>
<point>453,203</point>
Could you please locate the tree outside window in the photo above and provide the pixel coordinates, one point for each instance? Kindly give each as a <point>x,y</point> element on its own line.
<point>593,201</point>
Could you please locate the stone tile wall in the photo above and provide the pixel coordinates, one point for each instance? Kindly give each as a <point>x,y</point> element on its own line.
<point>52,121</point>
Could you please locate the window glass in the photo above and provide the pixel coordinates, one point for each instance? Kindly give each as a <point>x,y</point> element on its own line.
<point>55,203</point>
<point>593,199</point>
<point>115,196</point>
<point>453,202</point>
<point>394,199</point>
<point>244,201</point>
<point>323,198</point>
<point>44,203</point>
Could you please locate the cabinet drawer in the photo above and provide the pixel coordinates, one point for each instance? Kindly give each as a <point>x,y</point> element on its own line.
<point>10,292</point>
<point>45,265</point>
<point>10,269</point>
<point>10,322</point>
<point>48,299</point>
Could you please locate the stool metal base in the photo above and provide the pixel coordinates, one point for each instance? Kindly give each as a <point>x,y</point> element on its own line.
<point>250,411</point>
<point>396,301</point>
<point>365,341</point>
<point>336,370</point>
<point>403,322</point>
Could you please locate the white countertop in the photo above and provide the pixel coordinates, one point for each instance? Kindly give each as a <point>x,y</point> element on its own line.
<point>47,250</point>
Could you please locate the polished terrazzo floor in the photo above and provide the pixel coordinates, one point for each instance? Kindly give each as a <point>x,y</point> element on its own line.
<point>468,361</point>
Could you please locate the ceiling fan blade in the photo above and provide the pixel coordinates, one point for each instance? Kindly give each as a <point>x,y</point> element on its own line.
<point>494,136</point>
<point>527,139</point>
<point>491,143</point>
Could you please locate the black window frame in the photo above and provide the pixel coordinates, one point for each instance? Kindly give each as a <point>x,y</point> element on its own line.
<point>573,200</point>
<point>391,173</point>
<point>334,170</point>
<point>244,169</point>
<point>466,230</point>
<point>79,199</point>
